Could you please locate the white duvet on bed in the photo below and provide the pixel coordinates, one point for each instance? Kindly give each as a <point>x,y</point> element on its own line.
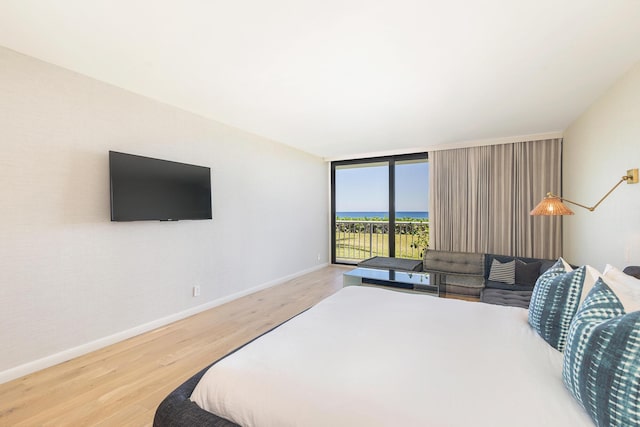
<point>374,357</point>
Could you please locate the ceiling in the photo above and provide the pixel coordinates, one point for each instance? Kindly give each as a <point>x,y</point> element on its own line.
<point>338,78</point>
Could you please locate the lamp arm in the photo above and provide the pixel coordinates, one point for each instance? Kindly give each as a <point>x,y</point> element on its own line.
<point>592,208</point>
<point>578,204</point>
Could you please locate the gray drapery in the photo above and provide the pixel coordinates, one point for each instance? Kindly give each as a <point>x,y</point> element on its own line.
<point>480,198</point>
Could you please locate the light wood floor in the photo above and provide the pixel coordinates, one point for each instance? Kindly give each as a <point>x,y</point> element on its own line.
<point>121,385</point>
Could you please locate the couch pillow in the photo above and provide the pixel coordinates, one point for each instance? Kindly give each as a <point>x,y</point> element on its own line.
<point>504,272</point>
<point>601,363</point>
<point>527,273</point>
<point>627,288</point>
<point>554,302</point>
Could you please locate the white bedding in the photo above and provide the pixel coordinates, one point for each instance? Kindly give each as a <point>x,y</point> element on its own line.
<point>374,357</point>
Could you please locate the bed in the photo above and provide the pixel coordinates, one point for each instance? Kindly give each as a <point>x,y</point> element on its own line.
<point>376,357</point>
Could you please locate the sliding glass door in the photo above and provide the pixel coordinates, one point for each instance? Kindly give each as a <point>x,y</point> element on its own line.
<point>361,195</point>
<point>412,206</point>
<point>379,207</point>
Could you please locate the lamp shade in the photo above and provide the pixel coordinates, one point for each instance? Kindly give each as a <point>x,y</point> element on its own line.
<point>551,205</point>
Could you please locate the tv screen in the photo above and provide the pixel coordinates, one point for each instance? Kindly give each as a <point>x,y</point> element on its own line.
<point>145,189</point>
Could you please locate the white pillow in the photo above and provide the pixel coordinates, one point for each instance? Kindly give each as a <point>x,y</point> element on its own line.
<point>608,268</point>
<point>567,267</point>
<point>626,288</point>
<point>590,277</point>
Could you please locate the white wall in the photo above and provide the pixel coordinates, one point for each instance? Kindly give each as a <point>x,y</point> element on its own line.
<point>598,149</point>
<point>69,276</point>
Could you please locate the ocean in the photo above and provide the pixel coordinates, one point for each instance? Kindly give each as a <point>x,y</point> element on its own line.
<point>400,214</point>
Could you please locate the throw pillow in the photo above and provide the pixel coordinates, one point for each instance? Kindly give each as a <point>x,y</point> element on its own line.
<point>503,272</point>
<point>627,288</point>
<point>589,281</point>
<point>527,273</point>
<point>554,302</point>
<point>601,363</point>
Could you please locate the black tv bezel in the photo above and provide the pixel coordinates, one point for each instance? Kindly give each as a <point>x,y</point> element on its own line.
<point>160,161</point>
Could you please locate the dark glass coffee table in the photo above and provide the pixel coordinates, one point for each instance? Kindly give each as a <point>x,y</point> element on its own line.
<point>401,280</point>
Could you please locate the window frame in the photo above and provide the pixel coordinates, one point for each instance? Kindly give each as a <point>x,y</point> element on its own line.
<point>391,161</point>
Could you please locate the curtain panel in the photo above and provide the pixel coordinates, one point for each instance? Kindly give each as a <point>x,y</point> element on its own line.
<point>480,198</point>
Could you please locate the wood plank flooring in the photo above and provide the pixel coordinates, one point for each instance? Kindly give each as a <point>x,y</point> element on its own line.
<point>121,385</point>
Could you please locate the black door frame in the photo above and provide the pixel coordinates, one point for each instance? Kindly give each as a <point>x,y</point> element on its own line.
<point>391,161</point>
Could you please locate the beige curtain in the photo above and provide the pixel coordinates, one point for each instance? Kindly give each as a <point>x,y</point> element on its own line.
<point>481,198</point>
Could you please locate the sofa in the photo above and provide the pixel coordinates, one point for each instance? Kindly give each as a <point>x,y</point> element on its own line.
<point>469,275</point>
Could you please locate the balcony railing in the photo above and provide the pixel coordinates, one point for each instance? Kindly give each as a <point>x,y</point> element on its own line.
<point>361,239</point>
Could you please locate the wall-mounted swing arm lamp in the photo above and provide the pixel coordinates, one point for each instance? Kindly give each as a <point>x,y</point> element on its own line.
<point>552,204</point>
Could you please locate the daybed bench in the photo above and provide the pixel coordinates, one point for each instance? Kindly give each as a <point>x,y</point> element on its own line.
<point>368,356</point>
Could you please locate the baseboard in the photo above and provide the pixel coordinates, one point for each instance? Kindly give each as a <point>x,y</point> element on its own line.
<point>63,356</point>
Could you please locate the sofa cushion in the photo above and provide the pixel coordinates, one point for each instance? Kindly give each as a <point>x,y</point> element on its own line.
<point>527,273</point>
<point>506,297</point>
<point>632,270</point>
<point>489,284</point>
<point>454,262</point>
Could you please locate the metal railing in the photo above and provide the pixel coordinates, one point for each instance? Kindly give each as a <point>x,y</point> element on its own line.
<point>361,239</point>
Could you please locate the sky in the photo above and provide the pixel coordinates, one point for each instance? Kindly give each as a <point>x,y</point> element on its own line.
<point>366,189</point>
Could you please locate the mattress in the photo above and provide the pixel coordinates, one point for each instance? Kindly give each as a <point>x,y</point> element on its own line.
<point>375,357</point>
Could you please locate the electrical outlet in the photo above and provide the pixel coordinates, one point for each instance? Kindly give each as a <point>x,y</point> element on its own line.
<point>318,257</point>
<point>196,291</point>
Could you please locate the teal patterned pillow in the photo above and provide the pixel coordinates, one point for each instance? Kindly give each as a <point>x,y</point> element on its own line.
<point>554,302</point>
<point>601,364</point>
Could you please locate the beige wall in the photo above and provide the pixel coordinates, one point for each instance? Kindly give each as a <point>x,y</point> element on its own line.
<point>598,149</point>
<point>71,280</point>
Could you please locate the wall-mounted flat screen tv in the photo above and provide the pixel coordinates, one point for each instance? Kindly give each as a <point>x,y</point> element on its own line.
<point>146,189</point>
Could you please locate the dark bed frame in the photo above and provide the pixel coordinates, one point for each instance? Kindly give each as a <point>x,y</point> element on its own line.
<point>177,410</point>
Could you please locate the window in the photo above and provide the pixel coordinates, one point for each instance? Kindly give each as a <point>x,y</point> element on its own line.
<point>370,197</point>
